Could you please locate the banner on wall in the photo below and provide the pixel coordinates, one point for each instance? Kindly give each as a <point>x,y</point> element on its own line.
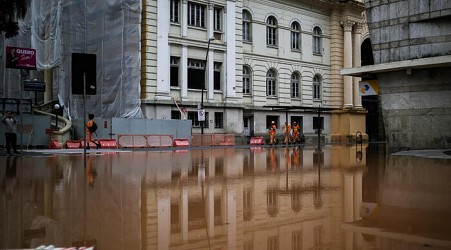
<point>20,58</point>
<point>368,87</point>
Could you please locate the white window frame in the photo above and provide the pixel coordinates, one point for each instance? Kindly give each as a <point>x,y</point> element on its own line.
<point>175,11</point>
<point>218,18</point>
<point>295,85</point>
<point>295,36</point>
<point>174,64</point>
<point>196,14</point>
<point>316,87</point>
<point>317,33</point>
<point>247,26</point>
<point>271,31</point>
<point>246,80</point>
<point>271,83</point>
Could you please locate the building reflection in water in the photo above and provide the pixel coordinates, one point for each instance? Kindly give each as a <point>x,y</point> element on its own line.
<point>257,198</point>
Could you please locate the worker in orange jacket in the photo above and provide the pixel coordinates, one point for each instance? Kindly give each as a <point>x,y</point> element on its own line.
<point>286,132</point>
<point>296,131</point>
<point>272,133</point>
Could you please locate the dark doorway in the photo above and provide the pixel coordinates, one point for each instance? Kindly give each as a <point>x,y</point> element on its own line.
<point>374,123</point>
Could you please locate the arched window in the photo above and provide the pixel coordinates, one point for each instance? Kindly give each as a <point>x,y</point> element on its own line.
<point>295,36</point>
<point>317,33</point>
<point>271,82</point>
<point>295,85</point>
<point>317,87</point>
<point>271,31</point>
<point>246,80</point>
<point>247,26</point>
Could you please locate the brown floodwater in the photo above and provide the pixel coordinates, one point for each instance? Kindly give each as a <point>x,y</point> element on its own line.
<point>338,197</point>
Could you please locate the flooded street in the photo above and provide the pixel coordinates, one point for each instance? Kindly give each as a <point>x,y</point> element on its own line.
<point>339,197</point>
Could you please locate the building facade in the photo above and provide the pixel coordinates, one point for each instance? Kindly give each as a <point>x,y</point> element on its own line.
<point>412,58</point>
<point>248,63</point>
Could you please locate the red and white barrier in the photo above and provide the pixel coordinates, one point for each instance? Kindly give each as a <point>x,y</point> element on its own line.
<point>257,141</point>
<point>181,143</point>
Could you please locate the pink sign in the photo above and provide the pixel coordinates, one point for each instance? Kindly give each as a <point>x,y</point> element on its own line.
<point>20,58</point>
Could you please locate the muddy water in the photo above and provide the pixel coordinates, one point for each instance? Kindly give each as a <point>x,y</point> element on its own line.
<point>259,198</point>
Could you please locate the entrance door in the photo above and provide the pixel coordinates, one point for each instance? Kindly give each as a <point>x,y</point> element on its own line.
<point>300,121</point>
<point>248,125</point>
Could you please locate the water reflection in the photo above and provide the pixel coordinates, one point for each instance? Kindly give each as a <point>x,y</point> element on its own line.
<point>257,198</point>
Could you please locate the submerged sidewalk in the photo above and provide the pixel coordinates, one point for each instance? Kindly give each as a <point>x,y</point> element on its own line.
<point>427,153</point>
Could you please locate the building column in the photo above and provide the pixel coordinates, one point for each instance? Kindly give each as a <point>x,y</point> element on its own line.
<point>183,18</point>
<point>210,62</point>
<point>231,51</point>
<point>357,63</point>
<point>163,65</point>
<point>347,27</point>
<point>183,73</point>
<point>48,79</point>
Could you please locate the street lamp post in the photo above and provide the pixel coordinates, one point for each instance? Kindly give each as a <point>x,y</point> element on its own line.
<point>203,85</point>
<point>57,107</point>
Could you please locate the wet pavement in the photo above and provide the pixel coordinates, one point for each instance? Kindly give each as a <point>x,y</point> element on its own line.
<point>338,197</point>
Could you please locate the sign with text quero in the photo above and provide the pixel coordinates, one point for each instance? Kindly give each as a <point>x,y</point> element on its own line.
<point>368,87</point>
<point>20,58</point>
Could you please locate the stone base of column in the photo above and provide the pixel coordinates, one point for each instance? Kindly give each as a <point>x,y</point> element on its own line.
<point>162,97</point>
<point>347,125</point>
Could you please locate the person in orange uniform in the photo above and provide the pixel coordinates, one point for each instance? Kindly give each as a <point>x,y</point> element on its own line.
<point>89,137</point>
<point>286,132</point>
<point>272,133</point>
<point>296,131</point>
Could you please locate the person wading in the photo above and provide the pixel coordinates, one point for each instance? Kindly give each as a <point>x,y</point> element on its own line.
<point>91,128</point>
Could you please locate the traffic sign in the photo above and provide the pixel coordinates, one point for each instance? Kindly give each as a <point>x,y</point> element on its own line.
<point>201,115</point>
<point>368,87</point>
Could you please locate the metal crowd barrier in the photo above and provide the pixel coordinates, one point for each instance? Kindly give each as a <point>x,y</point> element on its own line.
<point>213,140</point>
<point>144,141</point>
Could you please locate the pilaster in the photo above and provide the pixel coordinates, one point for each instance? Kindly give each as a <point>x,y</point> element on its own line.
<point>357,63</point>
<point>231,49</point>
<point>163,66</point>
<point>347,28</point>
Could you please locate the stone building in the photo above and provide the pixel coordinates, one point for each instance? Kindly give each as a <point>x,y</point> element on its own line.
<point>264,61</point>
<point>412,57</point>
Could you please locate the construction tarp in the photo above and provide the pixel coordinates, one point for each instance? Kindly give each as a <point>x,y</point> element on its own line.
<point>110,29</point>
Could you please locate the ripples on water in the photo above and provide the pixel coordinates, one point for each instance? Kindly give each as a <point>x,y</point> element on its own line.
<point>260,198</point>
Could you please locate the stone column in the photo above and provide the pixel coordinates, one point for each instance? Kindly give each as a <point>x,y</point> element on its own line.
<point>357,63</point>
<point>230,53</point>
<point>184,17</point>
<point>48,79</point>
<point>347,44</point>
<point>163,65</point>
<point>210,70</point>
<point>183,73</point>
